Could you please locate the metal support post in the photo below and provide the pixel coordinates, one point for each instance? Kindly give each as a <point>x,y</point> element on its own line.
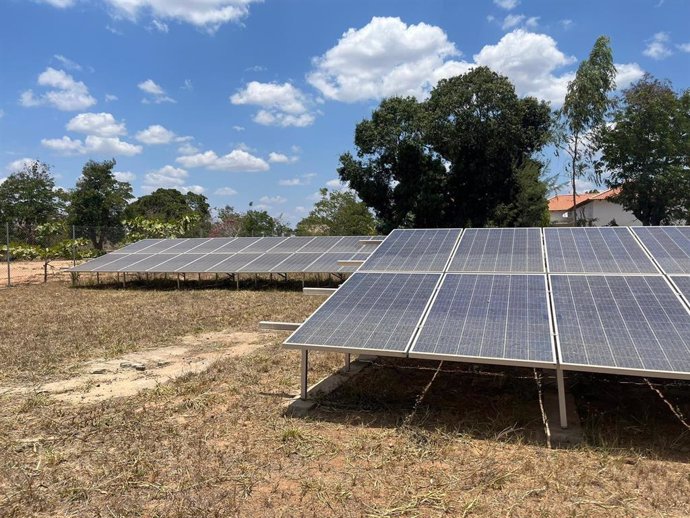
<point>178,281</point>
<point>74,246</point>
<point>304,377</point>
<point>7,231</point>
<point>347,362</point>
<point>124,279</point>
<point>98,278</point>
<point>561,397</point>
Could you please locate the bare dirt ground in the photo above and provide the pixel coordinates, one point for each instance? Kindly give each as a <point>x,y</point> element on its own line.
<point>401,439</point>
<point>31,272</point>
<point>101,379</point>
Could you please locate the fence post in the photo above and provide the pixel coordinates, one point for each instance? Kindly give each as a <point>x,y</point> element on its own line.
<point>74,246</point>
<point>7,232</point>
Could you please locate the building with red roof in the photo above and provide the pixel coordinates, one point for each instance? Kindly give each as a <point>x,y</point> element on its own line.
<point>597,208</point>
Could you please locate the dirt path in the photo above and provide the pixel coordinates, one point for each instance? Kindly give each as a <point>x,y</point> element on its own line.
<point>102,379</point>
<point>31,272</point>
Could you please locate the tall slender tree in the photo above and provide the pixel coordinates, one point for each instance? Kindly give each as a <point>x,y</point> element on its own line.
<point>583,115</point>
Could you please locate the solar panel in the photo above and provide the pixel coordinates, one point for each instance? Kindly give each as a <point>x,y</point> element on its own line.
<point>321,244</point>
<point>139,246</point>
<point>683,285</point>
<point>236,245</point>
<point>327,262</point>
<point>510,250</point>
<point>418,250</point>
<point>595,250</point>
<point>263,244</point>
<point>295,263</point>
<point>352,244</point>
<point>292,244</point>
<point>264,263</point>
<point>374,312</point>
<point>163,245</point>
<point>670,246</point>
<point>233,263</point>
<point>122,261</point>
<point>98,262</point>
<point>145,262</point>
<point>489,318</point>
<point>213,245</point>
<point>621,324</point>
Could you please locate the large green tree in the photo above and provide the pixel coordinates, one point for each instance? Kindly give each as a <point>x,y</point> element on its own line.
<point>337,213</point>
<point>583,115</point>
<point>646,151</point>
<point>98,202</point>
<point>461,158</point>
<point>28,198</point>
<point>171,206</point>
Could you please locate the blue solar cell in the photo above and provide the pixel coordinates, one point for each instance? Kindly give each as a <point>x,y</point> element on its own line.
<point>670,246</point>
<point>621,322</point>
<point>509,250</point>
<point>419,250</point>
<point>370,312</point>
<point>595,250</point>
<point>488,317</point>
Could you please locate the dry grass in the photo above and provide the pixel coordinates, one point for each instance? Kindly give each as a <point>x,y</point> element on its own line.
<point>217,443</point>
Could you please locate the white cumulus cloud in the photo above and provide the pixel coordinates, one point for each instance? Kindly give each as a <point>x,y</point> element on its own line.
<point>64,93</point>
<point>281,104</point>
<point>19,164</point>
<point>507,4</point>
<point>124,176</point>
<point>155,134</point>
<point>280,158</point>
<point>305,179</point>
<point>169,177</point>
<point>66,62</point>
<point>225,191</point>
<point>385,57</point>
<point>206,14</point>
<point>237,160</point>
<point>100,124</point>
<point>155,92</point>
<point>658,46</point>
<point>272,200</point>
<point>92,145</point>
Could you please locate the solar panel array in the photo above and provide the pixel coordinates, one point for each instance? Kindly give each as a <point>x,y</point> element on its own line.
<point>235,255</point>
<point>594,299</point>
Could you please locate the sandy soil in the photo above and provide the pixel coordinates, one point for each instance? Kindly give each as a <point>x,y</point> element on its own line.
<point>127,375</point>
<point>31,272</point>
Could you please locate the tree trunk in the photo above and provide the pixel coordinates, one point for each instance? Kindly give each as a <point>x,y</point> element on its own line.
<point>573,171</point>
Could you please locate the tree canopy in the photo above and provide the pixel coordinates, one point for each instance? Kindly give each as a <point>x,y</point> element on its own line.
<point>171,206</point>
<point>464,157</point>
<point>337,213</point>
<point>98,202</point>
<point>28,198</point>
<point>260,223</point>
<point>646,151</point>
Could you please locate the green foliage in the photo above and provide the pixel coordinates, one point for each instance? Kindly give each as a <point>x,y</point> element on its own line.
<point>261,223</point>
<point>337,213</point>
<point>139,228</point>
<point>583,115</point>
<point>98,203</point>
<point>647,152</point>
<point>454,160</point>
<point>171,206</point>
<point>28,199</point>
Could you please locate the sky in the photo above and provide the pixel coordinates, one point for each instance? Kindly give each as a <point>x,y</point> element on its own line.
<point>254,101</point>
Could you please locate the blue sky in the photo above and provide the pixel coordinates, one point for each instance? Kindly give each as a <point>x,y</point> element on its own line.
<point>255,101</point>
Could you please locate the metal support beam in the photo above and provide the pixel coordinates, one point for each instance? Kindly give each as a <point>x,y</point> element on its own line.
<point>561,397</point>
<point>178,281</point>
<point>304,378</point>
<point>347,362</point>
<point>319,291</point>
<point>350,262</point>
<point>267,325</point>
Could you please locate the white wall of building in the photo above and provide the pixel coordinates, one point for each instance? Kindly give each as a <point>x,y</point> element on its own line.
<point>603,212</point>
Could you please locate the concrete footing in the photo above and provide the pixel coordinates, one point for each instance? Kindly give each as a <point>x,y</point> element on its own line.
<point>298,407</point>
<point>562,437</point>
